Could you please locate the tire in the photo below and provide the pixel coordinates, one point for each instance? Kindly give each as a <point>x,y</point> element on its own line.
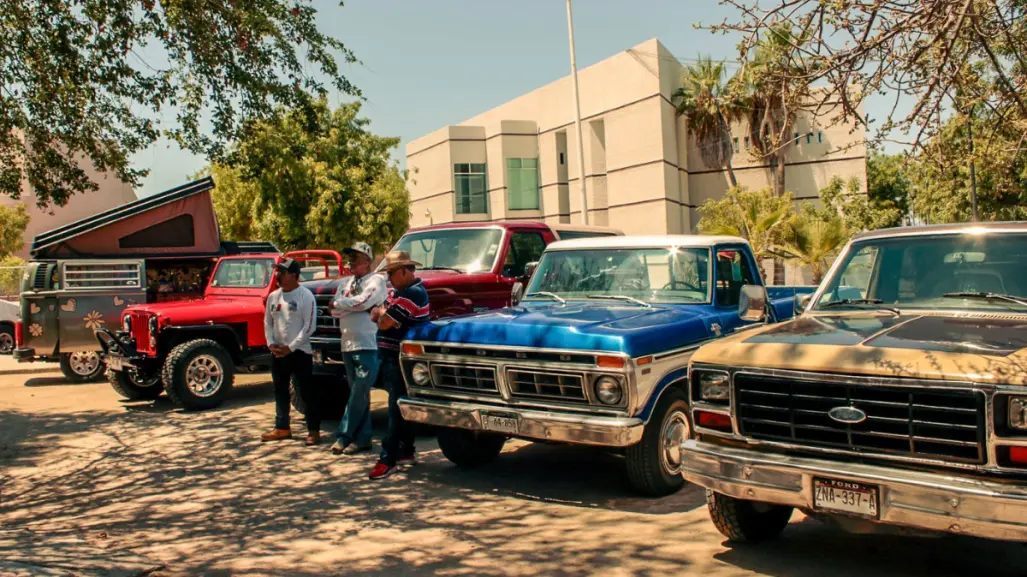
<point>129,385</point>
<point>191,374</point>
<point>470,449</point>
<point>747,521</point>
<point>653,464</point>
<point>83,366</point>
<point>334,396</point>
<point>6,339</point>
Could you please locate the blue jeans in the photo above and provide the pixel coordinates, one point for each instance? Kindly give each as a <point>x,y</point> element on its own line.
<point>399,440</point>
<point>361,372</point>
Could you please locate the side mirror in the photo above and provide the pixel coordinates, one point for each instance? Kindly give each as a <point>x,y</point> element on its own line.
<point>752,303</point>
<point>801,302</point>
<point>516,294</point>
<point>529,269</point>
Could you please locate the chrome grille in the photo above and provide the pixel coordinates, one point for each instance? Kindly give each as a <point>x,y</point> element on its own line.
<point>327,325</point>
<point>466,378</point>
<point>546,385</point>
<point>935,424</point>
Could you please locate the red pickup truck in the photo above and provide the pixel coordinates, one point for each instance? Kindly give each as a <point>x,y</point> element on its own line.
<point>466,268</point>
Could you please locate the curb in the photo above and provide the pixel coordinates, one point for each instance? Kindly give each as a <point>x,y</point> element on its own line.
<point>28,371</point>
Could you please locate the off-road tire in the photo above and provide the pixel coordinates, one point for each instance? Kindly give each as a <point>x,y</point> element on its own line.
<point>334,396</point>
<point>470,449</point>
<point>7,343</point>
<point>124,385</point>
<point>646,472</point>
<point>747,521</point>
<point>173,374</point>
<point>74,377</point>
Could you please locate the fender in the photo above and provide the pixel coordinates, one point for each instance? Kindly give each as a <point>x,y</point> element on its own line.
<point>672,378</point>
<point>174,332</point>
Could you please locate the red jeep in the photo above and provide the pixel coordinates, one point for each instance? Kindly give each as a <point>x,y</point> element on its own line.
<point>194,347</point>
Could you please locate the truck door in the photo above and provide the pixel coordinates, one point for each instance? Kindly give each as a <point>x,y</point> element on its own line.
<point>39,307</point>
<point>92,294</point>
<point>733,268</point>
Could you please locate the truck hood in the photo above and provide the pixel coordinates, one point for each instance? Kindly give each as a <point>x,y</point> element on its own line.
<point>211,308</point>
<point>985,348</point>
<point>630,329</point>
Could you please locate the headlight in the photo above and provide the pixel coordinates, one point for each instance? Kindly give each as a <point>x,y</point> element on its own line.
<point>153,326</point>
<point>1018,413</point>
<point>420,374</point>
<point>609,390</point>
<point>126,324</point>
<point>713,387</point>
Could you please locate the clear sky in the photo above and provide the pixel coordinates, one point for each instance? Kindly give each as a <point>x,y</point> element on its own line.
<point>429,63</point>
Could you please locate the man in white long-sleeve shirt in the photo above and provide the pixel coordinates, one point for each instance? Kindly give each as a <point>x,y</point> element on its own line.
<point>352,305</point>
<point>289,320</point>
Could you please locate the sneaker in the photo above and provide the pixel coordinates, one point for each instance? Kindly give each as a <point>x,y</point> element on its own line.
<point>353,449</point>
<point>339,447</point>
<point>380,471</point>
<point>410,459</point>
<point>276,435</point>
<point>313,439</point>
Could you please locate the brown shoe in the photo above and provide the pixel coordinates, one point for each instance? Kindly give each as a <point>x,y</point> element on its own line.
<point>313,439</point>
<point>276,435</point>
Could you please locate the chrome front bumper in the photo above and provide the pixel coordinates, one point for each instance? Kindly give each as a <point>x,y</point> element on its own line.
<point>931,501</point>
<point>532,424</point>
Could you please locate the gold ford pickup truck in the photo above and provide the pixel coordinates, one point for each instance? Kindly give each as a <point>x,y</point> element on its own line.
<point>897,400</point>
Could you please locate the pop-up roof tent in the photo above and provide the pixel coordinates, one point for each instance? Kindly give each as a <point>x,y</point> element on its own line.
<point>175,223</point>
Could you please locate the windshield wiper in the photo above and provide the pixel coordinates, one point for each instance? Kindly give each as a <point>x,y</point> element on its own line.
<point>621,298</point>
<point>553,296</point>
<point>858,302</point>
<point>987,296</point>
<point>440,268</point>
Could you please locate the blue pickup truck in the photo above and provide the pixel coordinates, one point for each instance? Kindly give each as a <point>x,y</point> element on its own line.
<point>596,352</point>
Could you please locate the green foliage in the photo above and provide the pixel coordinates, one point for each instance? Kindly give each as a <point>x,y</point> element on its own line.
<point>862,212</point>
<point>313,180</point>
<point>813,238</point>
<point>759,217</point>
<point>91,80</point>
<point>13,221</point>
<point>11,270</point>
<point>706,103</point>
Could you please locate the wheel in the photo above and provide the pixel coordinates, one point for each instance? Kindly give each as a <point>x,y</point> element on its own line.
<point>470,448</point>
<point>747,521</point>
<point>6,339</point>
<point>654,463</point>
<point>198,374</point>
<point>334,396</point>
<point>82,366</point>
<point>130,385</point>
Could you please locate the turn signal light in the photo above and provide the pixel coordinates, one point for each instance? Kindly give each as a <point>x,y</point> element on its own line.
<point>609,362</point>
<point>411,349</point>
<point>713,421</point>
<point>643,360</point>
<point>19,333</point>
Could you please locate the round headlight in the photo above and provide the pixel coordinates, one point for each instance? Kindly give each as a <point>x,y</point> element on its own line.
<point>153,325</point>
<point>420,374</point>
<point>609,391</point>
<point>713,387</point>
<point>126,324</point>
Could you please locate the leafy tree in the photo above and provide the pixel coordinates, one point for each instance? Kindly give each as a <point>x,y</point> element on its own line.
<point>13,221</point>
<point>859,211</point>
<point>313,180</point>
<point>813,238</point>
<point>708,106</point>
<point>759,217</point>
<point>89,79</point>
<point>888,189</point>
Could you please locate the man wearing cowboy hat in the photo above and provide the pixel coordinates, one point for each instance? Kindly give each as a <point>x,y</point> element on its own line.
<point>356,297</point>
<point>405,307</point>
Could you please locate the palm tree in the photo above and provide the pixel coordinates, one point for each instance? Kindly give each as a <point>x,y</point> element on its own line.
<point>813,242</point>
<point>758,217</point>
<point>708,106</point>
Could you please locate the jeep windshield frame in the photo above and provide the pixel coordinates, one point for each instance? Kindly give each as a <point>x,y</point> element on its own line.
<point>239,275</point>
<point>926,271</point>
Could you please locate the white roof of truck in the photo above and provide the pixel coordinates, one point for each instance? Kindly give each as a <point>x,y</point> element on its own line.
<point>654,241</point>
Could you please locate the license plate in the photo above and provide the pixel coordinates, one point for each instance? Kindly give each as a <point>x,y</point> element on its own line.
<point>317,358</point>
<point>499,424</point>
<point>115,363</point>
<point>845,497</point>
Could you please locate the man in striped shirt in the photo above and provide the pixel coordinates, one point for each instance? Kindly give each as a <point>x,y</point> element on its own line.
<point>406,306</point>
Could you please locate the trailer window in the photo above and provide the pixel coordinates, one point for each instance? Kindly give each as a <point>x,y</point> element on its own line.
<point>93,276</point>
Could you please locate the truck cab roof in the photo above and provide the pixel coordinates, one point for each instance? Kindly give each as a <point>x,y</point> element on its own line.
<point>666,240</point>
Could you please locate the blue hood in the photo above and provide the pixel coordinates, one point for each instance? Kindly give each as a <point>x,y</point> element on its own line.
<point>629,329</point>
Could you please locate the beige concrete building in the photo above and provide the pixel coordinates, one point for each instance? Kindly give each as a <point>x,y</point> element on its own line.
<point>644,174</point>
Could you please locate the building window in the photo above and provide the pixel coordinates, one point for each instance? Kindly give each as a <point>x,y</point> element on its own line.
<point>796,139</point>
<point>522,184</point>
<point>734,142</point>
<point>747,143</point>
<point>471,188</point>
<point>820,137</point>
<point>561,159</point>
<point>809,138</point>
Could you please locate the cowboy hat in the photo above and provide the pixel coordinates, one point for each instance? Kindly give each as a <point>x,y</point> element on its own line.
<point>397,259</point>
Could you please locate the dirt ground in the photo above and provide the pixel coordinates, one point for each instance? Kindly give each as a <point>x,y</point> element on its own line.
<point>200,494</point>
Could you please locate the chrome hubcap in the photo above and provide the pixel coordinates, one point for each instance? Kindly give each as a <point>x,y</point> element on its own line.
<point>675,430</point>
<point>6,343</point>
<point>203,376</point>
<point>84,363</point>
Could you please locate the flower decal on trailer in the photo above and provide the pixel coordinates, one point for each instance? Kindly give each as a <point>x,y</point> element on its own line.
<point>36,330</point>
<point>94,320</point>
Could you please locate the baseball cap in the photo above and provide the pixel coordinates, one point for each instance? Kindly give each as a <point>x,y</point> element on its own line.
<point>289,265</point>
<point>361,247</point>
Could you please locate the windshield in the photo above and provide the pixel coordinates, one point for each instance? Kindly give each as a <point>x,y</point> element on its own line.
<point>646,274</point>
<point>463,249</point>
<point>918,272</point>
<point>318,272</point>
<point>244,273</point>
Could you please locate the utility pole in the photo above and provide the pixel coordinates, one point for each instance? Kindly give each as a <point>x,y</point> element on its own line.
<point>973,171</point>
<point>577,118</point>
